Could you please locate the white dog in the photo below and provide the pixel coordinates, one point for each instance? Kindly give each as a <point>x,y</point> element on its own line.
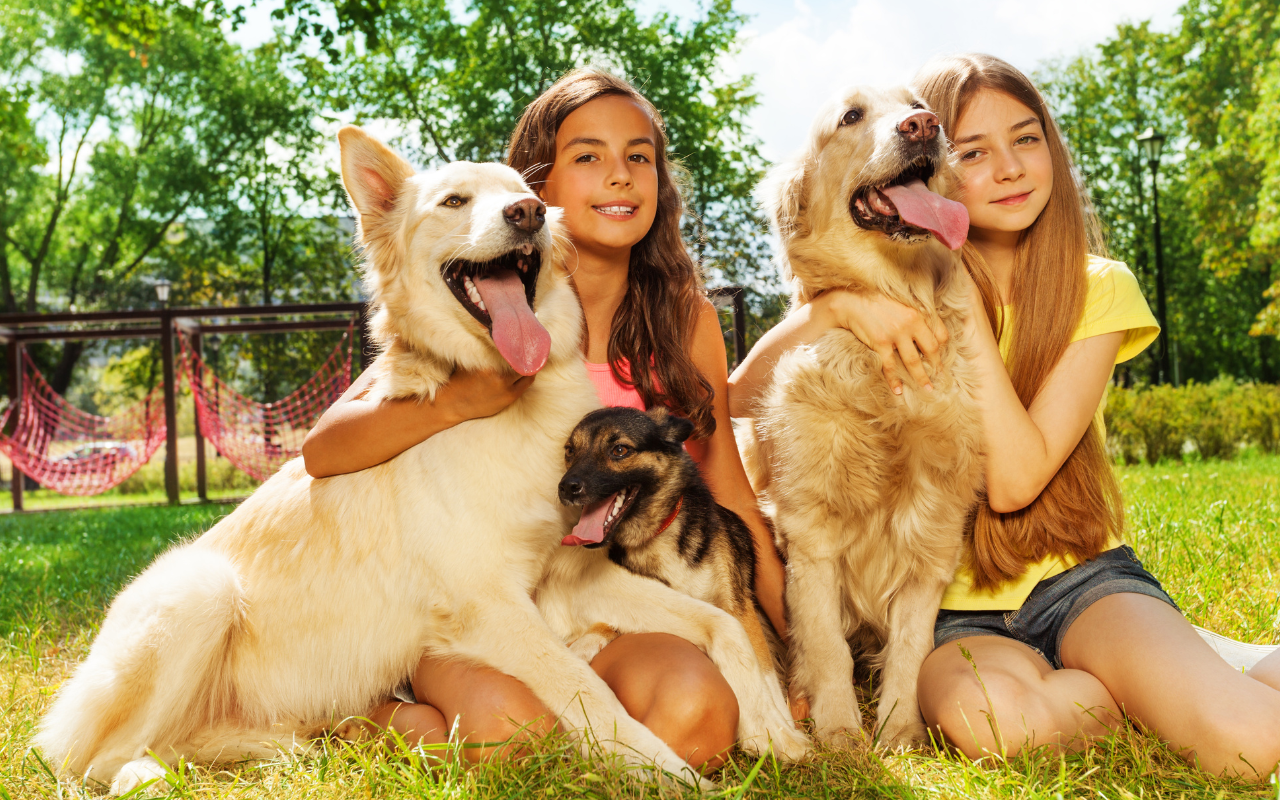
<point>869,491</point>
<point>315,598</point>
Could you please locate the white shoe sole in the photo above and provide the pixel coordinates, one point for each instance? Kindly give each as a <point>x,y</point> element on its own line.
<point>1238,654</point>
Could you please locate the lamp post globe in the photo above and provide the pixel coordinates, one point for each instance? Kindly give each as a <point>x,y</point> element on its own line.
<point>162,291</point>
<point>1151,143</point>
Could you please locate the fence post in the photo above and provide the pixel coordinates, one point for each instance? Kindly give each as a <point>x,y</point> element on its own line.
<point>202,487</point>
<point>15,396</point>
<point>170,408</point>
<point>739,326</point>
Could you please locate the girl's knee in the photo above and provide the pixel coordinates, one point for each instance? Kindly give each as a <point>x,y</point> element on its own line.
<point>501,717</point>
<point>696,713</point>
<point>415,722</point>
<point>979,718</point>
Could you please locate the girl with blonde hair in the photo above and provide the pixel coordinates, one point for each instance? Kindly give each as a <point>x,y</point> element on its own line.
<point>1051,631</point>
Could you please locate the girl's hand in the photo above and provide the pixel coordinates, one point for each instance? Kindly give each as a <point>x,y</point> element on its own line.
<point>472,395</point>
<point>885,325</point>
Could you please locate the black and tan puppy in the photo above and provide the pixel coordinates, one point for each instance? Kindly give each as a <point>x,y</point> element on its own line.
<point>644,499</point>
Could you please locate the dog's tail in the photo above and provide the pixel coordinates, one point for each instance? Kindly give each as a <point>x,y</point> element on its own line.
<point>156,671</point>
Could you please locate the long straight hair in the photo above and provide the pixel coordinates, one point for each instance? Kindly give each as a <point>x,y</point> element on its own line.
<point>1080,508</point>
<point>653,326</point>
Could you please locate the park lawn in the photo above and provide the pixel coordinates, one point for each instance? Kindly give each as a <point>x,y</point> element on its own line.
<point>1210,531</point>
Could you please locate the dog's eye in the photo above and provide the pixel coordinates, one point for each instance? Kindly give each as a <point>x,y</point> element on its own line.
<point>454,201</point>
<point>851,117</point>
<point>620,451</point>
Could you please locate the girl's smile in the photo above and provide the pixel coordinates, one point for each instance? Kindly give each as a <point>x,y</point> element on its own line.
<point>1013,200</point>
<point>619,211</point>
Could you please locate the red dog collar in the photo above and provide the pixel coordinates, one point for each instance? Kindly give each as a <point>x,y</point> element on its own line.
<point>675,512</point>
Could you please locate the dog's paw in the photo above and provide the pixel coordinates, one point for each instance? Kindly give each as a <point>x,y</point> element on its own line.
<point>788,744</point>
<point>901,736</point>
<point>352,730</point>
<point>843,737</point>
<point>588,645</point>
<point>140,772</point>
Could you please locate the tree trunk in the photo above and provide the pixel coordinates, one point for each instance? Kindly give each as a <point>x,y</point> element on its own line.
<point>60,380</point>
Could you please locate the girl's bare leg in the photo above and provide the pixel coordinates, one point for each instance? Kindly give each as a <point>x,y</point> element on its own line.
<point>1267,671</point>
<point>663,681</point>
<point>1164,675</point>
<point>1009,698</point>
<point>418,723</point>
<point>674,690</point>
<point>1126,651</point>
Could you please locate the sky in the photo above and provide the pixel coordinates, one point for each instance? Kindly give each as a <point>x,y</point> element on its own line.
<point>803,52</point>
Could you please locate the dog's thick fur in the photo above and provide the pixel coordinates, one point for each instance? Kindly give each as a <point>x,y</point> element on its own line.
<point>705,550</point>
<point>312,600</point>
<point>869,491</point>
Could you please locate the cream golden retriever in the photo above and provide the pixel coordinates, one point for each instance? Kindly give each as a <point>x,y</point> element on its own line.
<point>312,600</point>
<point>869,491</point>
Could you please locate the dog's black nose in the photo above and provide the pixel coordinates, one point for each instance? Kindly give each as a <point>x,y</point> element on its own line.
<point>528,215</point>
<point>919,127</point>
<point>571,489</point>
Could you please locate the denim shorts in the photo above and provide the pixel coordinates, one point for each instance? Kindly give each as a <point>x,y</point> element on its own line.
<point>1055,603</point>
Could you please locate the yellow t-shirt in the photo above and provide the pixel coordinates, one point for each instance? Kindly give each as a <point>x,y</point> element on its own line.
<point>1115,303</point>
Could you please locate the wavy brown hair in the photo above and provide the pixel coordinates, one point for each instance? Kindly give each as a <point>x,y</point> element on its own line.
<point>1081,506</point>
<point>653,327</point>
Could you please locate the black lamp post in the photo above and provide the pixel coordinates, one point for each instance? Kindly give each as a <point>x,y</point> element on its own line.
<point>1151,142</point>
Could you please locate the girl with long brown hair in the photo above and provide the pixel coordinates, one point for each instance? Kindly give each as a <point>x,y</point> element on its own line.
<point>1051,630</point>
<point>595,147</point>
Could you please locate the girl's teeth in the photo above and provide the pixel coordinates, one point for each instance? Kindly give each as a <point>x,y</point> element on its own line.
<point>619,210</point>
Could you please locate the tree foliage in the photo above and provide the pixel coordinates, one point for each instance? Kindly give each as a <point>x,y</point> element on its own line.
<point>1212,86</point>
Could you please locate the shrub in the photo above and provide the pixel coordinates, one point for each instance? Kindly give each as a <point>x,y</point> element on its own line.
<point>1218,418</point>
<point>1123,440</point>
<point>1215,416</point>
<point>1262,415</point>
<point>1160,418</point>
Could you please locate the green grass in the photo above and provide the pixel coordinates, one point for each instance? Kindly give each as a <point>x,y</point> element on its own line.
<point>1210,531</point>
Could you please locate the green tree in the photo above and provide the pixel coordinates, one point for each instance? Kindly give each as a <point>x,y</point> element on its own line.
<point>192,134</point>
<point>1200,86</point>
<point>458,81</point>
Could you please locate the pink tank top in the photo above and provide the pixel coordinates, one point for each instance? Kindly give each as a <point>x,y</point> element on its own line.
<point>615,394</point>
<point>611,392</point>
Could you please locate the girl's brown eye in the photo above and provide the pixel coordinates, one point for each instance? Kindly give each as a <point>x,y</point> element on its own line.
<point>454,201</point>
<point>620,451</point>
<point>851,117</point>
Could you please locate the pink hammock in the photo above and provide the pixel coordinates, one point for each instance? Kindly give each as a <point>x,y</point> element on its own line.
<point>74,452</point>
<point>259,437</point>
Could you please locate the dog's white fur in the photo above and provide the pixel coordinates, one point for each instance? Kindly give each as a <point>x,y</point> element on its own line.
<point>314,598</point>
<point>869,491</point>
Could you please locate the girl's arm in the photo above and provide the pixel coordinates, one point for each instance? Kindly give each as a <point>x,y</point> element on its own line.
<point>722,467</point>
<point>882,324</point>
<point>356,432</point>
<point>1026,446</point>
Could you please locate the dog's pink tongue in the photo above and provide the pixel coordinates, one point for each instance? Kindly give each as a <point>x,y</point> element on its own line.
<point>590,528</point>
<point>946,219</point>
<point>518,335</point>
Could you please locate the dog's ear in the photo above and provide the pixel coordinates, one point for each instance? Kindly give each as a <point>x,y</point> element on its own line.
<point>673,430</point>
<point>784,195</point>
<point>371,174</point>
